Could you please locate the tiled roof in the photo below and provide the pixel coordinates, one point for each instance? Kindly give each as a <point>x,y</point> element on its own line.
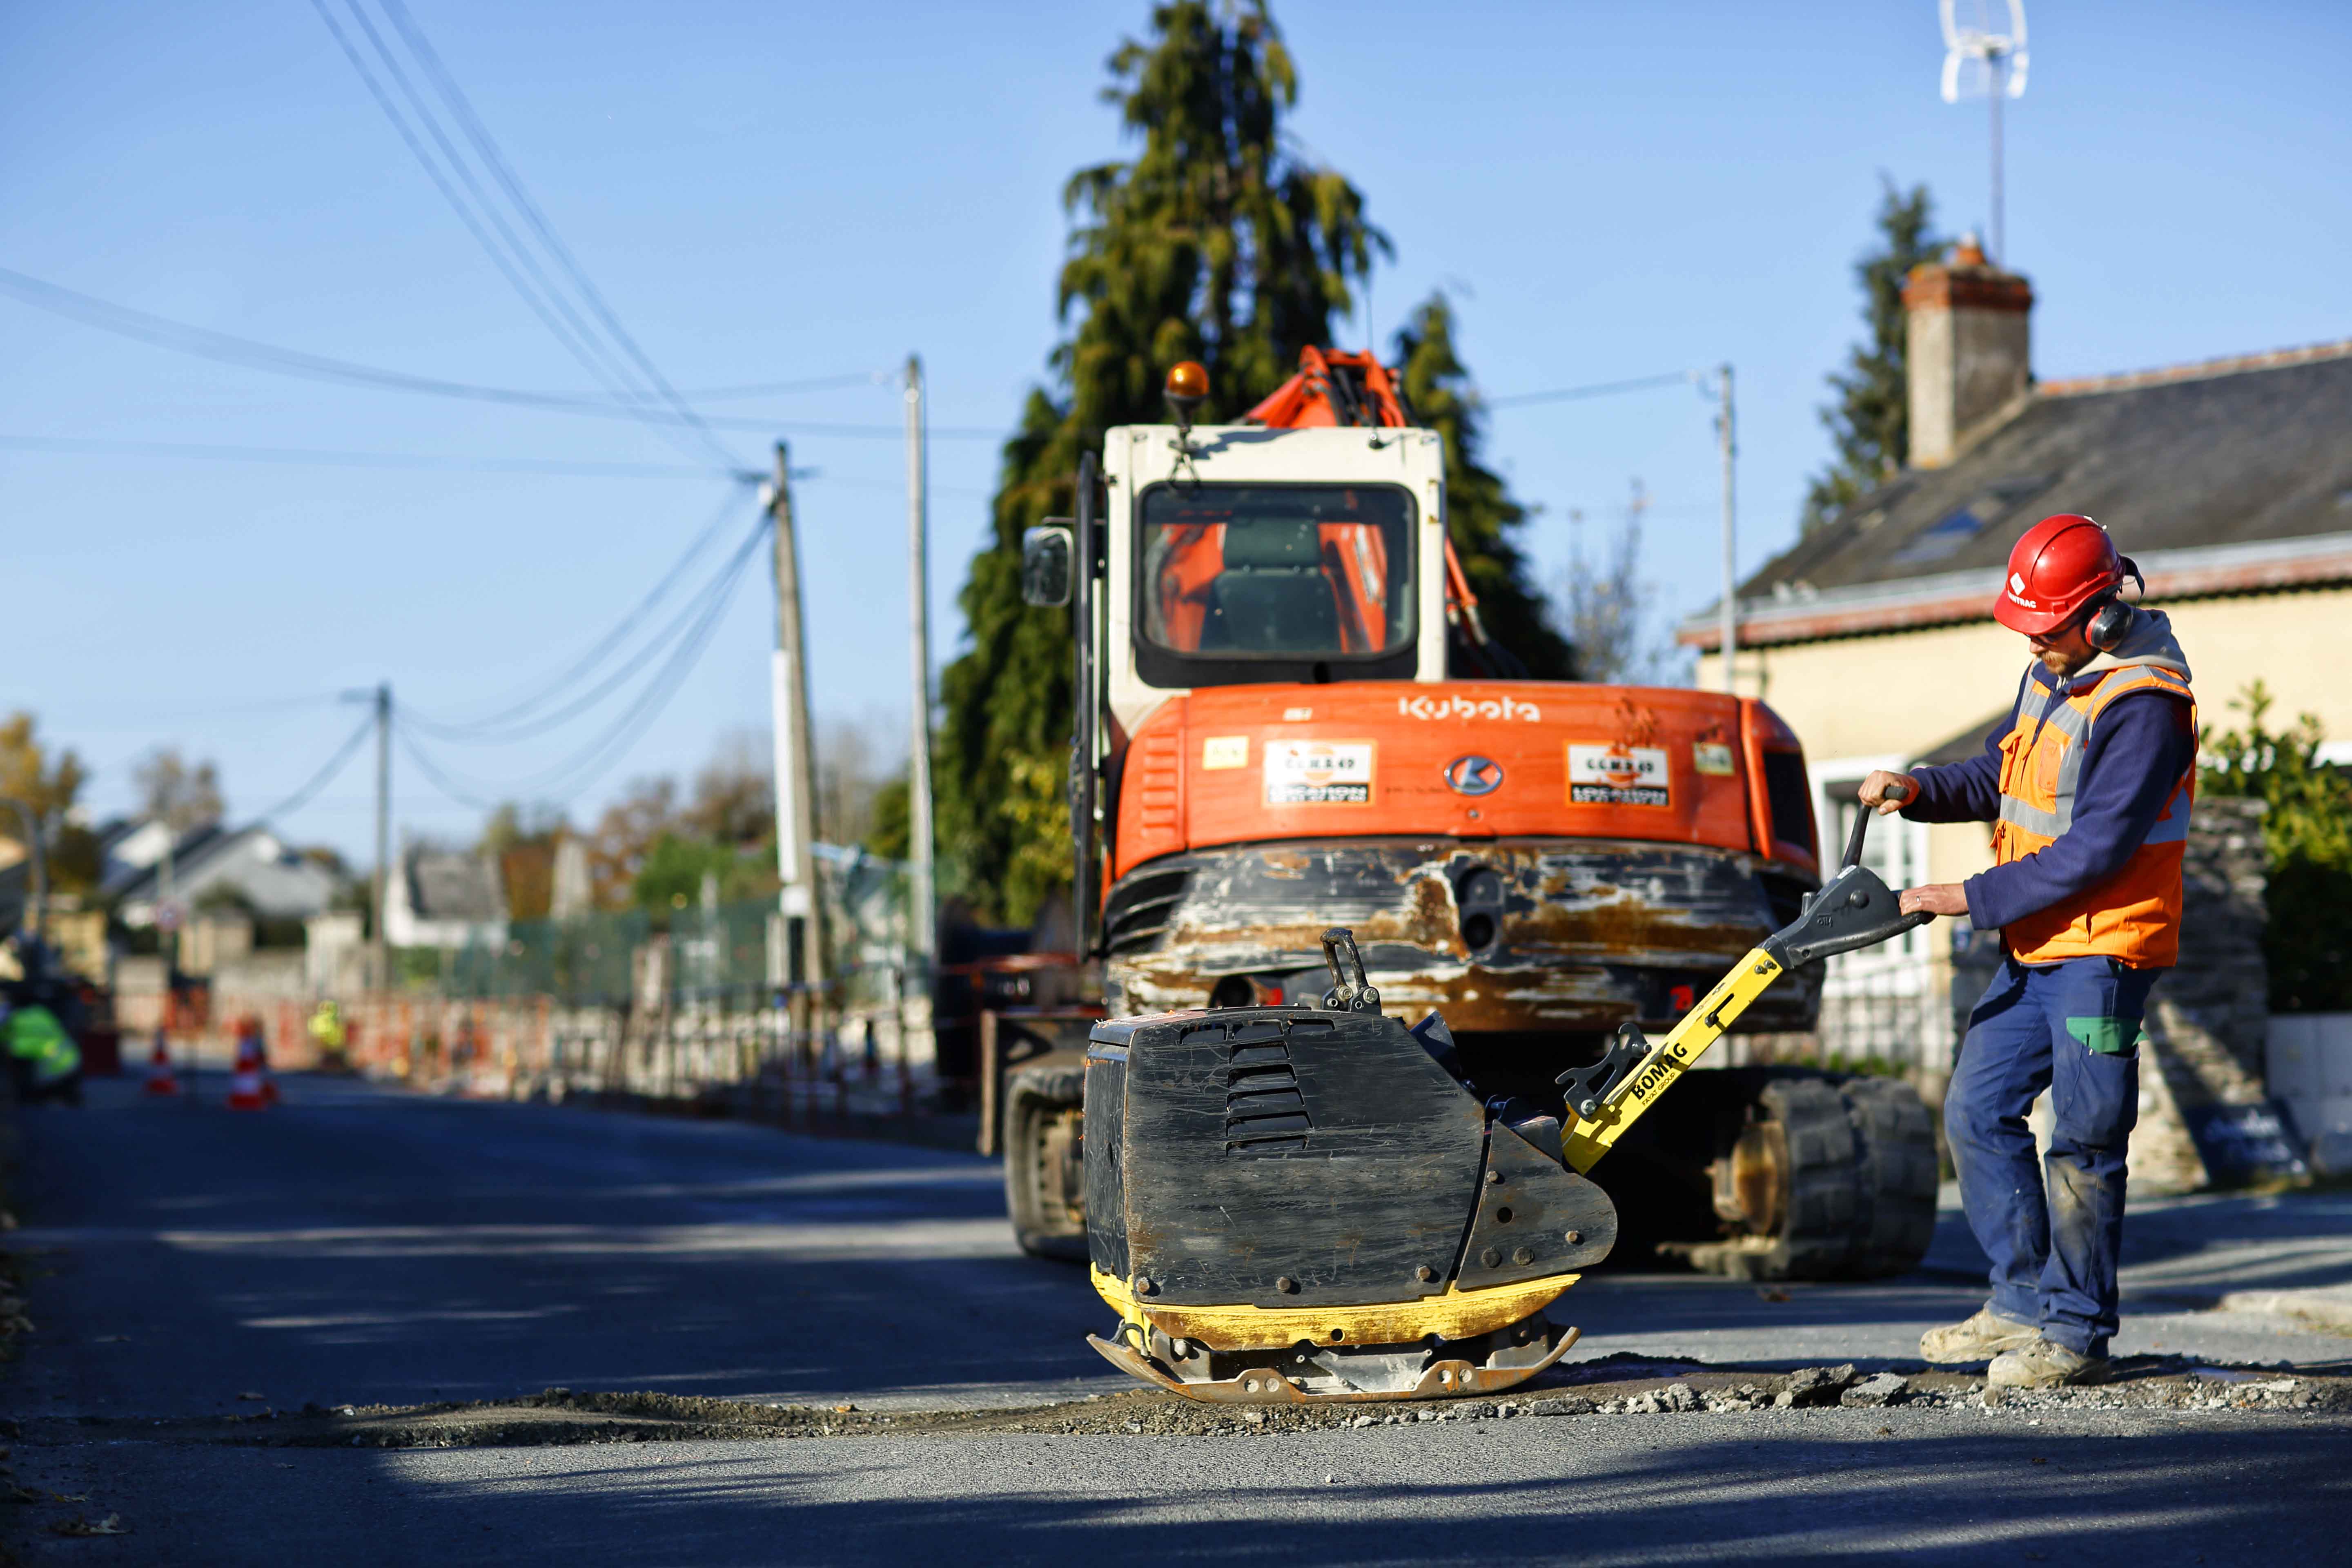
<point>454,887</point>
<point>2228,476</point>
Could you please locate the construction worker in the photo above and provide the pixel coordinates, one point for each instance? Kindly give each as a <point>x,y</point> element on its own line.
<point>43,1056</point>
<point>2089,784</point>
<point>327,1033</point>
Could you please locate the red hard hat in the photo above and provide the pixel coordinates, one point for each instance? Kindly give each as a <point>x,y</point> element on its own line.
<point>2061,564</point>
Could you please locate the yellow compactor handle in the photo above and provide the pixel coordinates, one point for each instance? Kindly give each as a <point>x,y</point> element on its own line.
<point>1854,909</point>
<point>1589,1137</point>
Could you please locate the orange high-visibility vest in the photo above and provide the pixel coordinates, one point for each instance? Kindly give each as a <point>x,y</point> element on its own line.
<point>2133,915</point>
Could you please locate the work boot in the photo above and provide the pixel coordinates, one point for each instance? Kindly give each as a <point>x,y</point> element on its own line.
<point>1980,1338</point>
<point>2045,1363</point>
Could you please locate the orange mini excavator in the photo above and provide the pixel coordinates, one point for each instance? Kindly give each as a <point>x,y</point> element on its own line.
<point>1289,718</point>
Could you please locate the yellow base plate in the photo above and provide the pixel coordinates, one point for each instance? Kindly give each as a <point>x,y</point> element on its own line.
<point>1456,1314</point>
<point>1265,1386</point>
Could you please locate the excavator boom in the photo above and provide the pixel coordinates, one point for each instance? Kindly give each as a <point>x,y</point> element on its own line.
<point>1334,387</point>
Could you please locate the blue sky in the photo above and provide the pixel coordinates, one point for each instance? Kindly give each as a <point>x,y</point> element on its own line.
<point>775,192</point>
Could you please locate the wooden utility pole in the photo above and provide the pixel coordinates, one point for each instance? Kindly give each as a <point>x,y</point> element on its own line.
<point>795,763</point>
<point>922,911</point>
<point>1730,609</point>
<point>380,885</point>
<point>37,910</point>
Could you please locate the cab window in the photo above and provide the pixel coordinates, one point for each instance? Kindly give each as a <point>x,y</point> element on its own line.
<point>1284,575</point>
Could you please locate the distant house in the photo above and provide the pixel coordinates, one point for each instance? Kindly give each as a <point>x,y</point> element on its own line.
<point>276,882</point>
<point>438,899</point>
<point>2230,481</point>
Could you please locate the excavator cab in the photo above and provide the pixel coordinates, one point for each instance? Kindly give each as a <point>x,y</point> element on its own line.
<point>1288,571</point>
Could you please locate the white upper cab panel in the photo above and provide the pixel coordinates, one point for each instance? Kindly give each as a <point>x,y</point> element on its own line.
<point>1137,457</point>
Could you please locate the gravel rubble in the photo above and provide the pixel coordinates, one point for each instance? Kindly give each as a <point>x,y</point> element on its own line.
<point>1616,1386</point>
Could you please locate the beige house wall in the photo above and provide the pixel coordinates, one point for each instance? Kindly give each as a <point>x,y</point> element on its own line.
<point>1958,850</point>
<point>1909,692</point>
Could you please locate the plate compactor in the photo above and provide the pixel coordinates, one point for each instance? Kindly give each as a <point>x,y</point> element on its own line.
<point>1299,1203</point>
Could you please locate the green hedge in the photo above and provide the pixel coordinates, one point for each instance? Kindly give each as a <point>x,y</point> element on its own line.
<point>2308,830</point>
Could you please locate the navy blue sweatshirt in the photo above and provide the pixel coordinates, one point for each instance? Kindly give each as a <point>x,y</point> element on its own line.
<point>2139,747</point>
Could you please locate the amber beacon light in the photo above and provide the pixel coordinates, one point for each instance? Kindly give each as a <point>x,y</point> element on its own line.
<point>1188,383</point>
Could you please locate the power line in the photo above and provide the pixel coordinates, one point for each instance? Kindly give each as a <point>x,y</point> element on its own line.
<point>592,762</point>
<point>503,171</point>
<point>612,639</point>
<point>153,716</point>
<point>1597,389</point>
<point>576,773</point>
<point>549,302</point>
<point>490,732</point>
<point>333,459</point>
<point>435,777</point>
<point>225,348</point>
<point>554,324</point>
<point>489,209</point>
<point>319,781</point>
<point>615,373</point>
<point>781,388</point>
<point>616,365</point>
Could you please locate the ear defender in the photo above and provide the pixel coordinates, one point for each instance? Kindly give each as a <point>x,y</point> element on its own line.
<point>2107,623</point>
<point>2110,617</point>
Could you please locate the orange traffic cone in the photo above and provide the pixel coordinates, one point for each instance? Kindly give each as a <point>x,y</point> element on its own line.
<point>250,1088</point>
<point>162,1078</point>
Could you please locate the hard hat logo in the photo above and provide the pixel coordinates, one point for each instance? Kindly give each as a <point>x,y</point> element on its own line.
<point>2056,572</point>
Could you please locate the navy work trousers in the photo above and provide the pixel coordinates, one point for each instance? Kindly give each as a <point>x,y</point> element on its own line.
<point>2072,1028</point>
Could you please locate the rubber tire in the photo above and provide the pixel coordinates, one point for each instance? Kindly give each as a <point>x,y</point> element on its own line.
<point>1819,1201</point>
<point>1895,1177</point>
<point>1036,1096</point>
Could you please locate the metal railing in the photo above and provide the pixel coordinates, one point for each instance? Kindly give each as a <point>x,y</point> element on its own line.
<point>699,1003</point>
<point>1887,1014</point>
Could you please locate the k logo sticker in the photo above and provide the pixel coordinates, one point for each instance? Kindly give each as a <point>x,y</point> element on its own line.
<point>1473,774</point>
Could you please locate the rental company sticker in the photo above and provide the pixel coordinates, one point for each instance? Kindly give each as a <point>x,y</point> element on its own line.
<point>1224,751</point>
<point>1319,772</point>
<point>1712,757</point>
<point>1617,775</point>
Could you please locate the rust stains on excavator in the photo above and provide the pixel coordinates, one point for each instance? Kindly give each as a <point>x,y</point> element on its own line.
<point>1569,934</point>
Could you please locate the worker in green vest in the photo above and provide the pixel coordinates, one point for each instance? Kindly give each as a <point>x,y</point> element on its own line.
<point>43,1056</point>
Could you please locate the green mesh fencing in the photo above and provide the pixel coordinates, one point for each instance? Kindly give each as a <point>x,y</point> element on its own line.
<point>718,956</point>
<point>580,963</point>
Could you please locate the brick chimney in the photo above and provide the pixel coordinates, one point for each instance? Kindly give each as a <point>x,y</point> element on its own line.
<point>1969,345</point>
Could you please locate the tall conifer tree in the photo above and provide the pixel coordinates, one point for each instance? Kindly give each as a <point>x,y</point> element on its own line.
<point>1217,243</point>
<point>1871,420</point>
<point>1214,243</point>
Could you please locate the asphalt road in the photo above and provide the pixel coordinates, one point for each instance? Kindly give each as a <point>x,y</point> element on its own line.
<point>358,1245</point>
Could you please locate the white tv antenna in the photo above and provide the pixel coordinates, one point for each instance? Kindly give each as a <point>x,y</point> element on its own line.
<point>1978,57</point>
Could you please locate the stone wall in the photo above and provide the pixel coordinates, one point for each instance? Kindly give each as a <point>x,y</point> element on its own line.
<point>2210,1015</point>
